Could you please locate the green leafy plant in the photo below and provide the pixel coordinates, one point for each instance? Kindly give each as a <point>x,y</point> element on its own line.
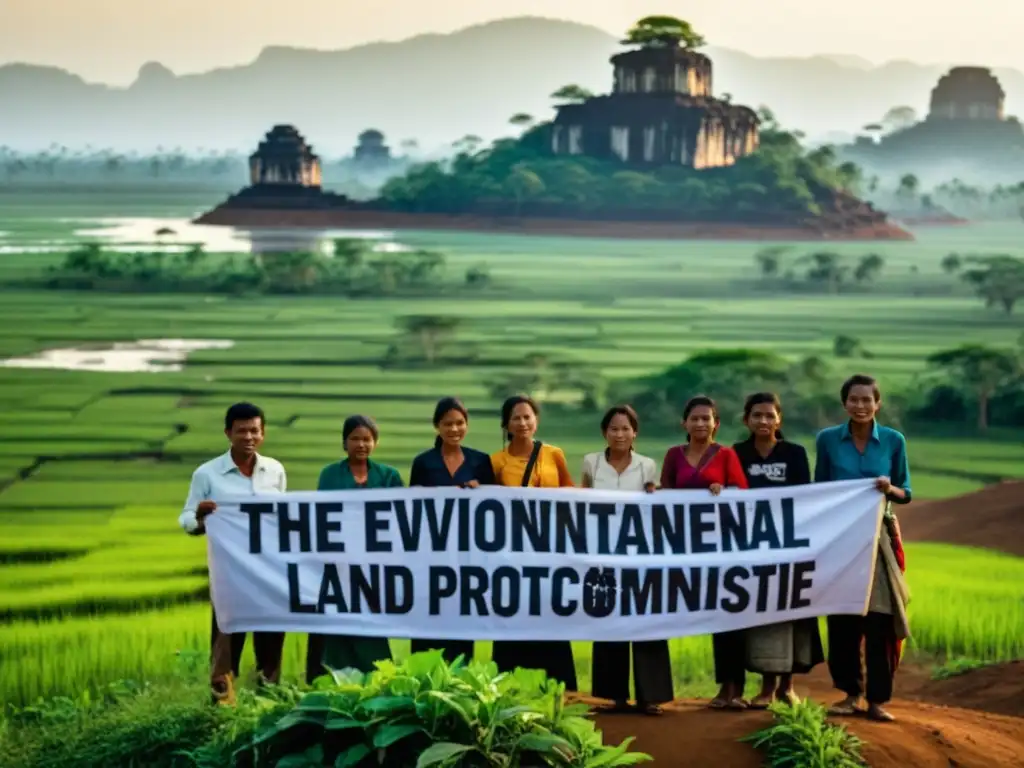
<point>425,713</point>
<point>802,737</point>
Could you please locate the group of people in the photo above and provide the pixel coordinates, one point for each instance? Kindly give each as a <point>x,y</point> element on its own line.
<point>858,448</point>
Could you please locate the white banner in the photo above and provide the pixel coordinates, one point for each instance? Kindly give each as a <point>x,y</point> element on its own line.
<point>541,564</point>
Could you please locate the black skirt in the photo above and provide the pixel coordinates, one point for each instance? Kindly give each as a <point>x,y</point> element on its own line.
<point>553,656</point>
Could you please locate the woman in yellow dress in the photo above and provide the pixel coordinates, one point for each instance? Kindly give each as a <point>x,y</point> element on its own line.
<point>525,461</point>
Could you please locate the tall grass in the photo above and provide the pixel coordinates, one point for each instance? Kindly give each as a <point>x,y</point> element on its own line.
<point>966,603</point>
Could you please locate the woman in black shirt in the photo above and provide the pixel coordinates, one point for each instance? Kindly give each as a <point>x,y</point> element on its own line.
<point>769,461</point>
<point>450,463</point>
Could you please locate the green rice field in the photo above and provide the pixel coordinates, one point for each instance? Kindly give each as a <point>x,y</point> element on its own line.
<point>97,583</point>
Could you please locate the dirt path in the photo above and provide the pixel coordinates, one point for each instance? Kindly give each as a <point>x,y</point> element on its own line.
<point>928,734</point>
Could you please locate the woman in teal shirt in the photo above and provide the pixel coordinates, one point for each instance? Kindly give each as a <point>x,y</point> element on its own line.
<point>861,449</point>
<point>359,437</point>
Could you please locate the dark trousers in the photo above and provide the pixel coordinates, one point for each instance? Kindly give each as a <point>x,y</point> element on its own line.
<point>451,649</point>
<point>652,671</point>
<point>553,656</point>
<point>845,634</point>
<point>314,657</point>
<point>730,650</point>
<point>226,652</point>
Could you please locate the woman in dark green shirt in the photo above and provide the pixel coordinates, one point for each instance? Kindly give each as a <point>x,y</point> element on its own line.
<point>359,438</point>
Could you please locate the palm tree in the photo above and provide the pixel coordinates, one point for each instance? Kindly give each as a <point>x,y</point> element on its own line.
<point>572,94</point>
<point>521,120</point>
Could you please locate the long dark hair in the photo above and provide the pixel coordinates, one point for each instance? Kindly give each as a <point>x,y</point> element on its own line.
<point>697,402</point>
<point>763,398</point>
<point>443,407</point>
<point>510,405</point>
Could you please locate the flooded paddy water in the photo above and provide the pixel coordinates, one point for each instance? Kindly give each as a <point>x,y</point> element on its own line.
<point>142,356</point>
<point>176,235</point>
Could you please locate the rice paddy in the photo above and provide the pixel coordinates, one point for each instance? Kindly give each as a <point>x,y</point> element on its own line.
<point>98,584</point>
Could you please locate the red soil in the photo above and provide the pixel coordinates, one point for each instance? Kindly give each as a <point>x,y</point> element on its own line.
<point>992,518</point>
<point>356,219</point>
<point>927,734</point>
<point>973,720</point>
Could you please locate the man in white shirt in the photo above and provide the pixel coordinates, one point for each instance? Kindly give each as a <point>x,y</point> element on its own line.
<point>239,472</point>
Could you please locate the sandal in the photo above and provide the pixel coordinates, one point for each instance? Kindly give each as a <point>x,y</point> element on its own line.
<point>649,709</point>
<point>738,704</point>
<point>880,714</point>
<point>843,709</point>
<point>718,703</point>
<point>761,701</point>
<point>617,708</point>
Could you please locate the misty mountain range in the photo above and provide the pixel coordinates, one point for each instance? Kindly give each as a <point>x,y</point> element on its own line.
<point>432,88</point>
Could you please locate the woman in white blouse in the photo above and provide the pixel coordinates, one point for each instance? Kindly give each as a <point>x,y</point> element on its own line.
<point>619,467</point>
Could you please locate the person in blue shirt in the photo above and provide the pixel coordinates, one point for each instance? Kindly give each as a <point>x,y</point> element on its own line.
<point>861,448</point>
<point>450,463</point>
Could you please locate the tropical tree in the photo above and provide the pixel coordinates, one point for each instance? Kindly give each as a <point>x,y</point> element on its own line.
<point>469,143</point>
<point>521,120</point>
<point>572,93</point>
<point>951,264</point>
<point>429,331</point>
<point>999,280</point>
<point>873,130</point>
<point>981,369</point>
<point>849,176</point>
<point>868,268</point>
<point>898,118</point>
<point>844,346</point>
<point>769,260</point>
<point>664,31</point>
<point>827,269</point>
<point>908,186</point>
<point>523,184</point>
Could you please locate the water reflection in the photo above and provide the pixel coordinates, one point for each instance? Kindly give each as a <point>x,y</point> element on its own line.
<point>178,235</point>
<point>143,356</point>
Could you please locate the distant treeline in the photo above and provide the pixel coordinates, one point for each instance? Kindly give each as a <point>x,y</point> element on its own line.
<point>997,279</point>
<point>222,170</point>
<point>1000,202</point>
<point>352,269</point>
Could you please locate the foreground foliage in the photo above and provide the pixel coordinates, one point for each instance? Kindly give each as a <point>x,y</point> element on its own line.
<point>130,724</point>
<point>422,713</point>
<point>801,737</point>
<point>426,713</point>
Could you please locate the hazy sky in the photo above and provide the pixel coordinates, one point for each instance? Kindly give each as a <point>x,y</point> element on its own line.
<point>108,40</point>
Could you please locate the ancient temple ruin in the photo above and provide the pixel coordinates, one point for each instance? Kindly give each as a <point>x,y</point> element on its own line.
<point>284,175</point>
<point>661,110</point>
<point>371,149</point>
<point>966,133</point>
<point>967,93</point>
<point>284,158</point>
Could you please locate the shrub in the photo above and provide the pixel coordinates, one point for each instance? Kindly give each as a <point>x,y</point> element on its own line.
<point>801,737</point>
<point>425,713</point>
<point>131,725</point>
